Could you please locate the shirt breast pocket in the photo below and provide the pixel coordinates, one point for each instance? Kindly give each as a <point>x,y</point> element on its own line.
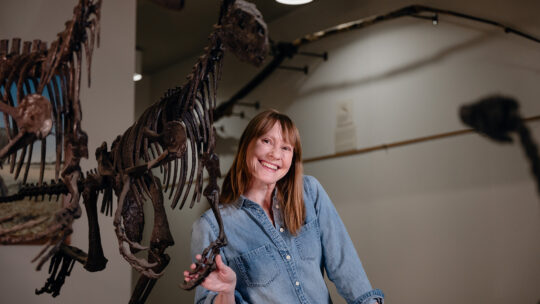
<point>257,267</point>
<point>308,241</point>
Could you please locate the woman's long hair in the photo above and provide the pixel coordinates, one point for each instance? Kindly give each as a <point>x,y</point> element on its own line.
<point>289,188</point>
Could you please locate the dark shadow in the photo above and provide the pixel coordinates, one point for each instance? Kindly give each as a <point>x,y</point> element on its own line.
<point>407,68</point>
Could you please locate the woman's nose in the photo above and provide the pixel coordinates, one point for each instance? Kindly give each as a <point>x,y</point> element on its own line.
<point>275,152</point>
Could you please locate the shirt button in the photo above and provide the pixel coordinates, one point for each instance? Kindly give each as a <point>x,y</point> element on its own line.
<point>288,257</point>
<point>281,229</point>
<point>277,206</point>
<point>297,283</point>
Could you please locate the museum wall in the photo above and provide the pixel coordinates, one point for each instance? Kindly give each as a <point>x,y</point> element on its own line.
<point>453,220</point>
<point>108,109</point>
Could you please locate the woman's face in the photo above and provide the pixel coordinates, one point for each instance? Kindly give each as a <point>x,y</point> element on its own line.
<point>269,157</point>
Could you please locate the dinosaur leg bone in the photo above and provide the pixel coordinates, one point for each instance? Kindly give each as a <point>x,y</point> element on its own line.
<point>141,265</point>
<point>96,260</point>
<point>159,241</point>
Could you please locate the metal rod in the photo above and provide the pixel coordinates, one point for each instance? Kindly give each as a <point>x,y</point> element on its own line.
<point>324,55</point>
<point>241,114</point>
<point>401,143</point>
<point>292,68</point>
<point>256,104</point>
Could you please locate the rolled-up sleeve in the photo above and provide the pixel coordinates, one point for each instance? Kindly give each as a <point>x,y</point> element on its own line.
<point>340,259</point>
<point>203,232</point>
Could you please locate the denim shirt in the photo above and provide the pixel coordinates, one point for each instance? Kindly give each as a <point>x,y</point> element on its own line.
<point>274,266</point>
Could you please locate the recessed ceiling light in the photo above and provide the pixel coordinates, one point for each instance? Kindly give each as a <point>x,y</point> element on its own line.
<point>294,2</point>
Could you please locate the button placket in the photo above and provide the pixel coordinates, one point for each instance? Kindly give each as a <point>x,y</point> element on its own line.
<point>279,240</point>
<point>271,230</point>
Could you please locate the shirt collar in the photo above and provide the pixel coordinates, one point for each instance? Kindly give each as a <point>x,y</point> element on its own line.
<point>243,200</point>
<point>240,201</point>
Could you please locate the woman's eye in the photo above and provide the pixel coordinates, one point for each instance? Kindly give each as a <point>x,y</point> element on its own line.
<point>265,140</point>
<point>287,148</point>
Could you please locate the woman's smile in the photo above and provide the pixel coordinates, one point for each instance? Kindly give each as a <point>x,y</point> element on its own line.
<point>269,166</point>
<point>269,157</point>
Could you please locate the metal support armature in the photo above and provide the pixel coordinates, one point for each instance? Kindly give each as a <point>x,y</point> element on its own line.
<point>283,50</point>
<point>303,69</point>
<point>324,55</point>
<point>256,105</point>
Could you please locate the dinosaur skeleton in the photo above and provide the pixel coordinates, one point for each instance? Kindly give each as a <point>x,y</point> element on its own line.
<point>181,122</point>
<point>175,134</point>
<point>39,92</point>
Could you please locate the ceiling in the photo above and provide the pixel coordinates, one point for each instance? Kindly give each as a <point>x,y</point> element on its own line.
<point>167,36</point>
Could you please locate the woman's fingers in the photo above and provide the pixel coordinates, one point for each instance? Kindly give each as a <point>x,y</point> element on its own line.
<point>219,262</point>
<point>189,276</point>
<point>216,279</point>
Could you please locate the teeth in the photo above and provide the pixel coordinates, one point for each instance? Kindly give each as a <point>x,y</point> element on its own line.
<point>270,166</point>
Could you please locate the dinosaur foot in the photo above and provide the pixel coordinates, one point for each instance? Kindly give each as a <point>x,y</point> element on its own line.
<point>203,267</point>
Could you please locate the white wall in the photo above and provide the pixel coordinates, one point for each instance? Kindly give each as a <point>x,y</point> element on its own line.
<point>108,109</point>
<point>449,221</point>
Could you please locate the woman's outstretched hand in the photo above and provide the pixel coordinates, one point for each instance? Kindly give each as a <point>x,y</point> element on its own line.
<point>222,280</point>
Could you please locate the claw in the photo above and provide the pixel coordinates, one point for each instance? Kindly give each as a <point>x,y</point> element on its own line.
<point>141,265</point>
<point>134,245</point>
<point>203,267</point>
<point>202,270</point>
<point>47,252</point>
<point>137,245</point>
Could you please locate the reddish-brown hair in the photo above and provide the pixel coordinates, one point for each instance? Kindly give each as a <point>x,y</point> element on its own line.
<point>289,188</point>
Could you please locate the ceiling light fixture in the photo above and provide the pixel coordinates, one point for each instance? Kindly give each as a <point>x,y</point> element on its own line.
<point>294,2</point>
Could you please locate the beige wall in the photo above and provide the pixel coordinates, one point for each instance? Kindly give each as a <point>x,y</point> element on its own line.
<point>108,109</point>
<point>454,220</point>
<point>450,221</point>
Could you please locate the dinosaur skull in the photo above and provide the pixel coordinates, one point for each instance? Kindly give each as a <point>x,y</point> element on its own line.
<point>244,32</point>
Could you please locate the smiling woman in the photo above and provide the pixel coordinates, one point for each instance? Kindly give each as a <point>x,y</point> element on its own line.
<point>263,160</point>
<point>269,158</point>
<point>283,231</point>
